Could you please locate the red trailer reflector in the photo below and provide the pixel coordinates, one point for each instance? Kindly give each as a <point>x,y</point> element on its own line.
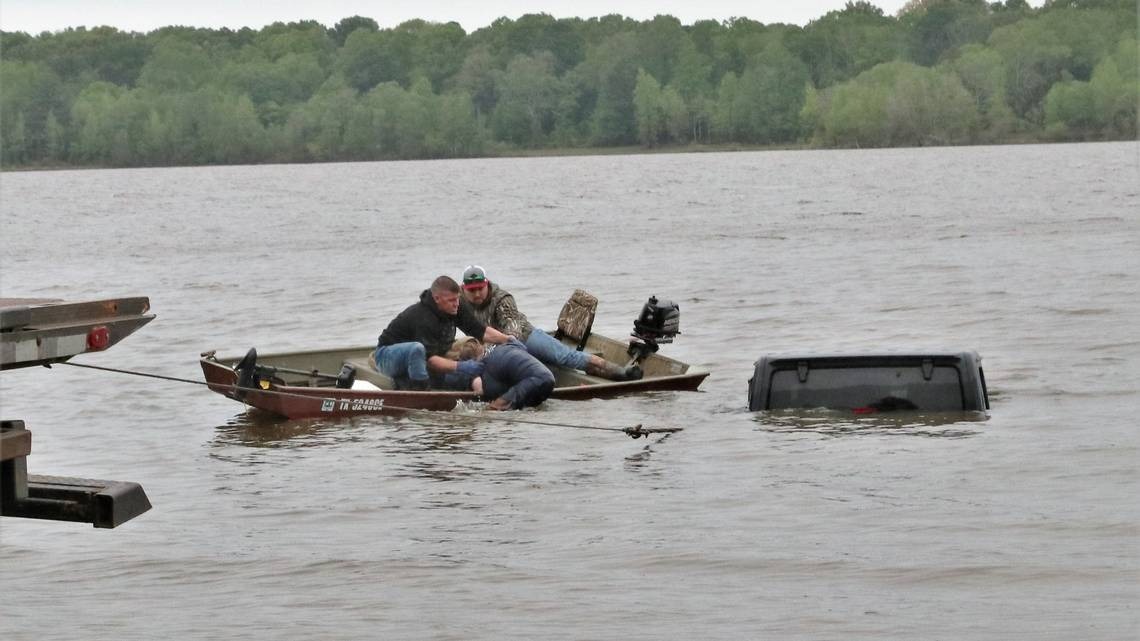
<point>98,338</point>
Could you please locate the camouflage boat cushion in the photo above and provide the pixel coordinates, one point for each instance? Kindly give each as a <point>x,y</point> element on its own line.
<point>577,315</point>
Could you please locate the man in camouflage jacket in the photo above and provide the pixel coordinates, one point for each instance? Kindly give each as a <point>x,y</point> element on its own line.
<point>495,307</point>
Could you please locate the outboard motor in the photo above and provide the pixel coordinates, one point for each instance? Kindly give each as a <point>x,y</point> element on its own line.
<point>659,322</point>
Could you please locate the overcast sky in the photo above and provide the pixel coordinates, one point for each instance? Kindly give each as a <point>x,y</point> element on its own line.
<point>34,16</point>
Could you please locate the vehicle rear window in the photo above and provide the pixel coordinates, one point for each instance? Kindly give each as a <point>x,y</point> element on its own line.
<point>880,388</point>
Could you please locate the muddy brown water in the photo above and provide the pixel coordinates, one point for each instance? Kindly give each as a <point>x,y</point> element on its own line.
<point>816,525</point>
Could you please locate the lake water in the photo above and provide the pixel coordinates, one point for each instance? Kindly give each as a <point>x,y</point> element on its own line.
<point>1024,525</point>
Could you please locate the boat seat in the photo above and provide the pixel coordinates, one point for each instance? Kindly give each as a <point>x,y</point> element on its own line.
<point>366,371</point>
<point>577,317</point>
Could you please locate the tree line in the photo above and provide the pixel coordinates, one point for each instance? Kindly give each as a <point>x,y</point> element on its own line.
<point>941,72</point>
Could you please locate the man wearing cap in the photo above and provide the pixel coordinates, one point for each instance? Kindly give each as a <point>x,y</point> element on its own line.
<point>411,349</point>
<point>495,307</point>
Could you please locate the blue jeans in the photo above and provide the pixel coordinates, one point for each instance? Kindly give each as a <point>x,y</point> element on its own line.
<point>403,361</point>
<point>514,375</point>
<point>552,351</point>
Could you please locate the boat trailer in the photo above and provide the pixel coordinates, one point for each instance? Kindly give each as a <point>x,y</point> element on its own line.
<point>43,332</point>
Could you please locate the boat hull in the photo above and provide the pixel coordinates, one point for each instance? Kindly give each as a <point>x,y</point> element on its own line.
<point>292,401</point>
<point>300,396</point>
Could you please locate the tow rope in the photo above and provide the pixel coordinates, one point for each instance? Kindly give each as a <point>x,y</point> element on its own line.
<point>635,431</point>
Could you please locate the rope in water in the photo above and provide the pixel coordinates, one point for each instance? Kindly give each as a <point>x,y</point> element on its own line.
<point>635,431</point>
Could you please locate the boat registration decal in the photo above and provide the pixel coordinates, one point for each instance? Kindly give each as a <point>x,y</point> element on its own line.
<point>327,405</point>
<point>362,405</point>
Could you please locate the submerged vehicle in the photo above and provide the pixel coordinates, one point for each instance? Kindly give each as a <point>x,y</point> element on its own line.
<point>345,382</point>
<point>870,383</point>
<point>44,332</point>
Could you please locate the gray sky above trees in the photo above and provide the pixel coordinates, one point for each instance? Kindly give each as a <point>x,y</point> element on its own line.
<point>34,16</point>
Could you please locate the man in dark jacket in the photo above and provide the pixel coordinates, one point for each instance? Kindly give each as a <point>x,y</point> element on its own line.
<point>411,349</point>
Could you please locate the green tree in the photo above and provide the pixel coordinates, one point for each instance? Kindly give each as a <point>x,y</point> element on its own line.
<point>300,91</point>
<point>856,115</point>
<point>1009,12</point>
<point>725,112</point>
<point>899,104</point>
<point>161,143</point>
<point>82,55</point>
<point>930,107</point>
<point>14,150</point>
<point>476,77</point>
<point>1033,61</point>
<point>14,45</point>
<point>376,130</point>
<point>937,28</point>
<point>458,129</point>
<point>1115,5</point>
<point>416,122</point>
<point>319,130</point>
<point>290,80</point>
<point>1103,107</point>
<point>596,31</point>
<point>647,109</point>
<point>692,80</point>
<point>1039,50</point>
<point>103,115</point>
<point>692,73</point>
<point>305,37</point>
<point>346,26</point>
<point>31,93</point>
<point>532,34</point>
<point>1090,34</point>
<point>176,65</point>
<point>229,128</point>
<point>1115,85</point>
<point>55,144</point>
<point>439,51</point>
<point>660,42</point>
<point>1070,111</point>
<point>365,62</point>
<point>811,116</point>
<point>843,44</point>
<point>770,96</point>
<point>982,73</point>
<point>616,75</point>
<point>738,42</point>
<point>528,100</point>
<point>573,122</point>
<point>704,34</point>
<point>220,44</point>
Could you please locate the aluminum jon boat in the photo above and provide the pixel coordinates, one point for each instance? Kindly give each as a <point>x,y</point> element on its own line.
<point>345,382</point>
